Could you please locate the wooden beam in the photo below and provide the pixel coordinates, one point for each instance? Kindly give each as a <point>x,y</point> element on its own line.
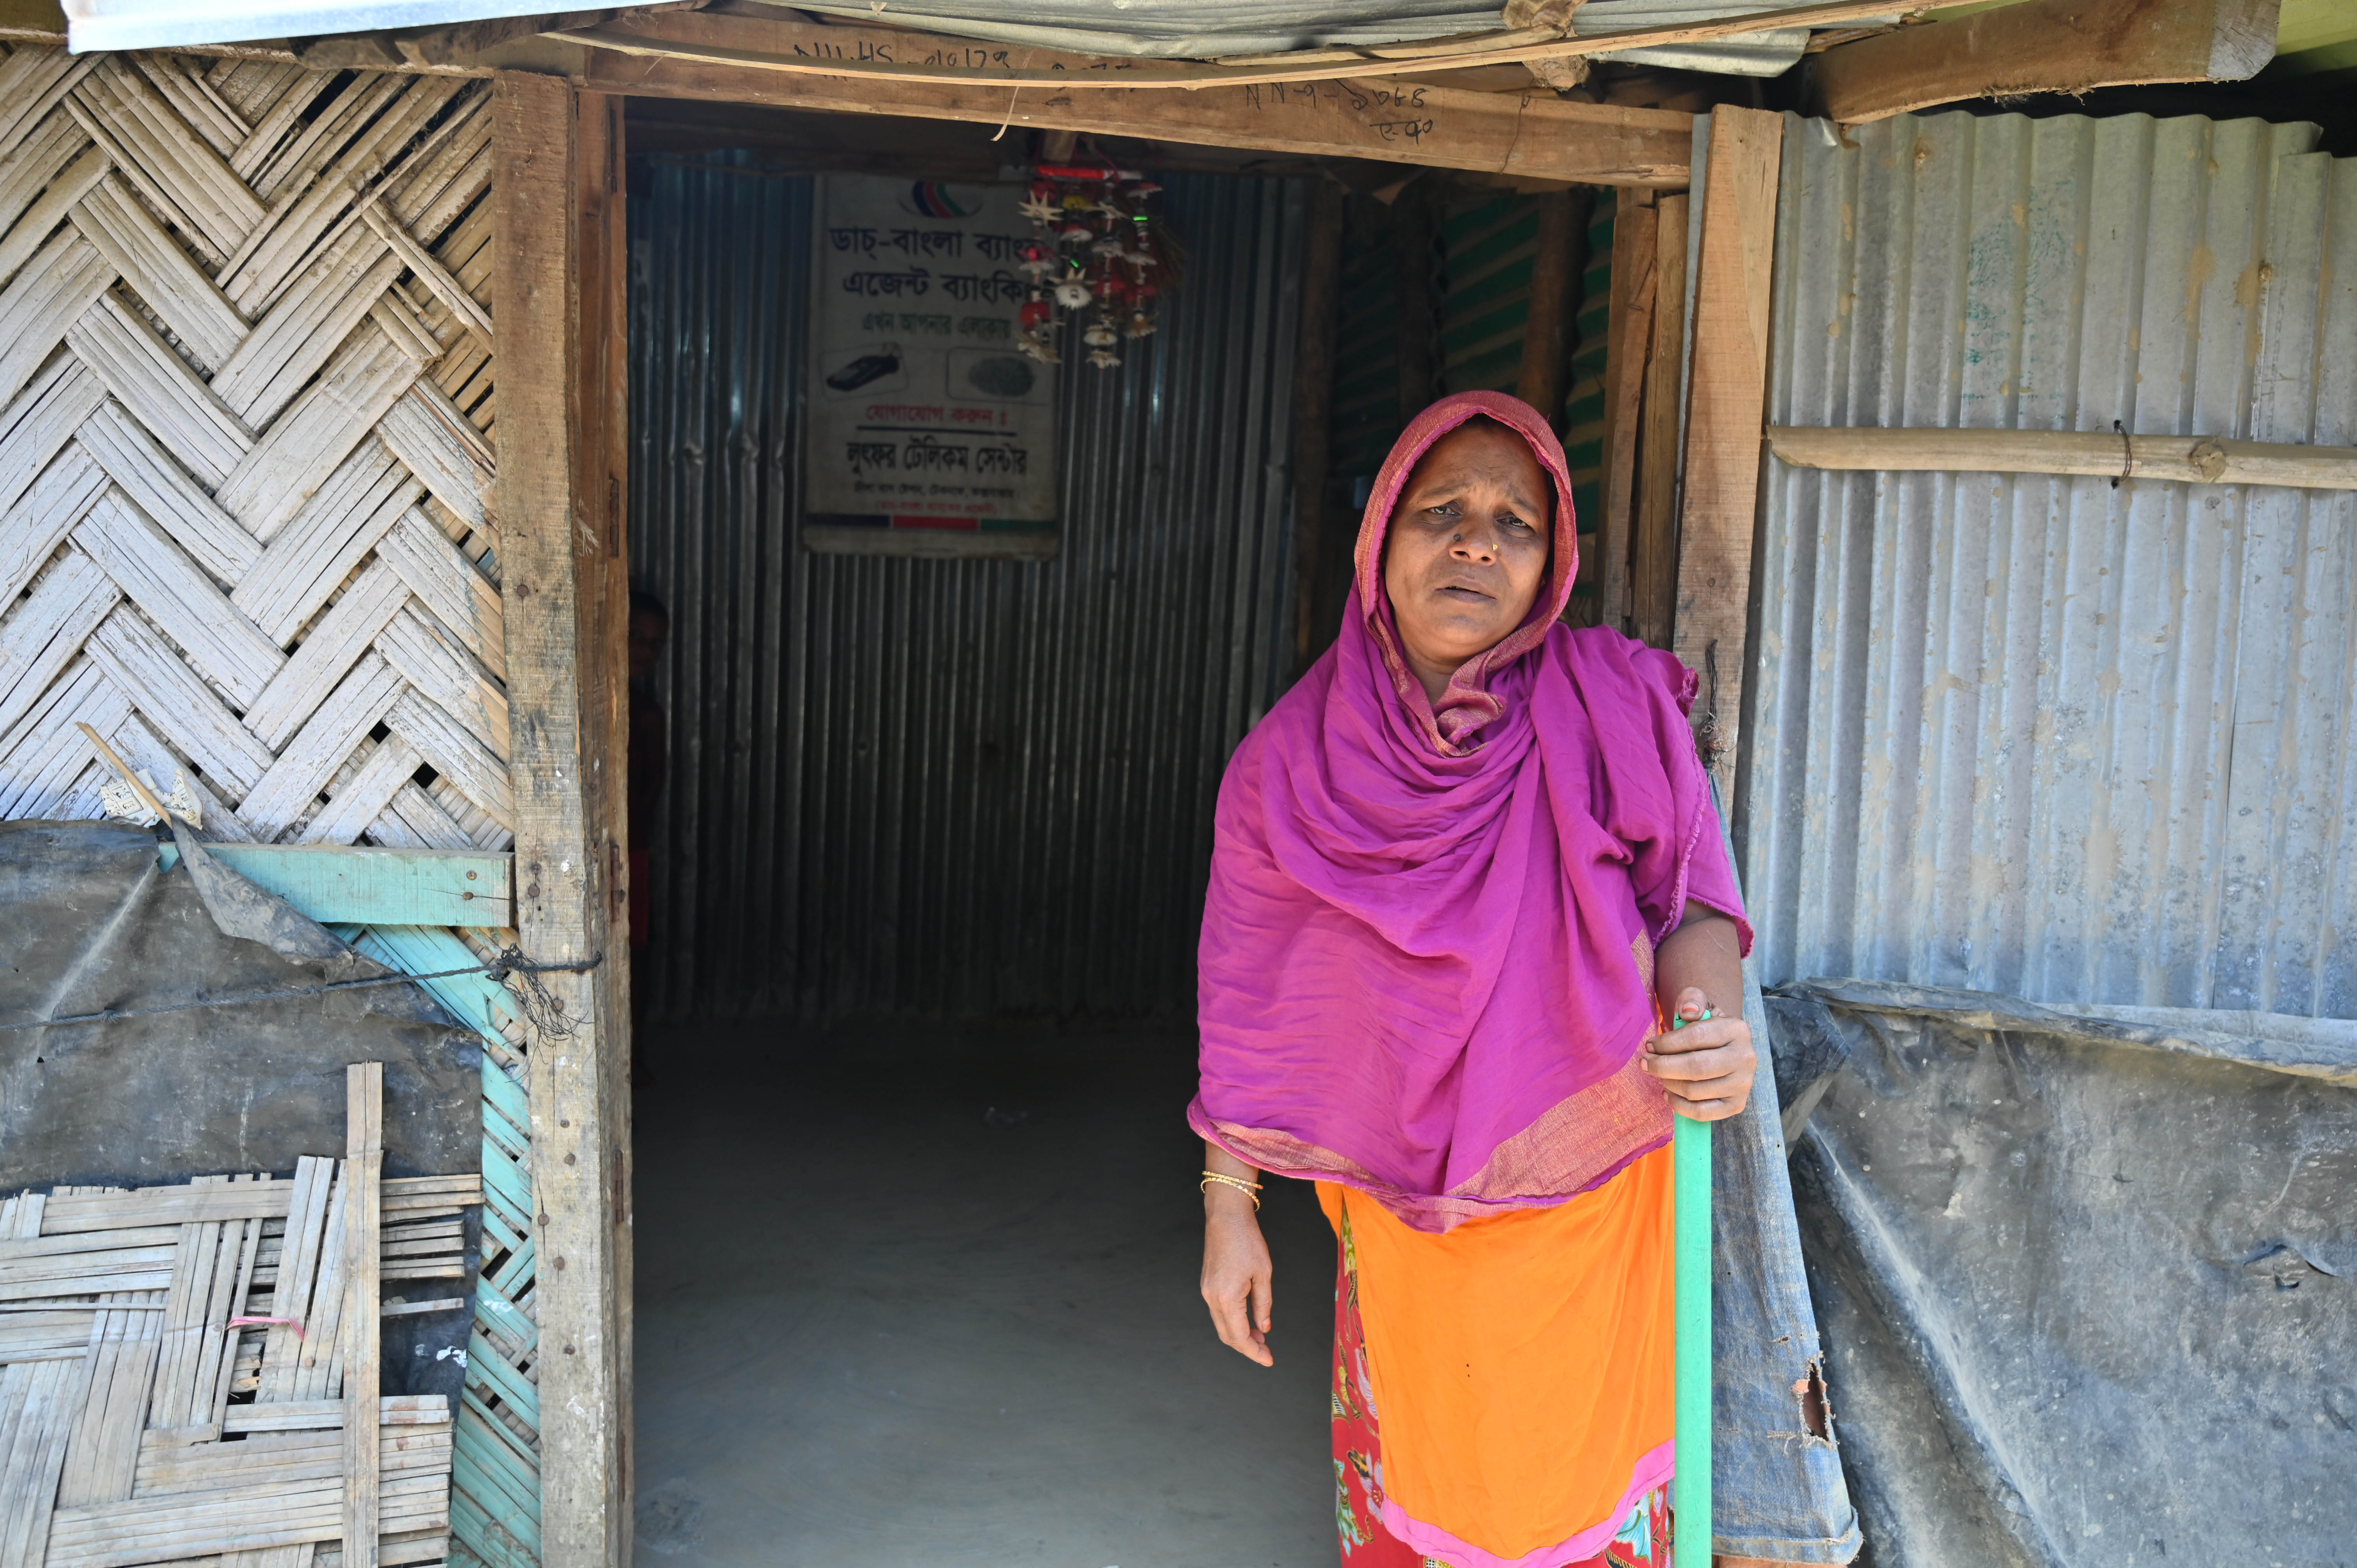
<point>1546,323</point>
<point>2182,459</point>
<point>364,1171</point>
<point>1653,553</point>
<point>379,886</point>
<point>1628,339</point>
<point>1313,412</point>
<point>556,212</point>
<point>1726,400</point>
<point>1534,135</point>
<point>872,53</point>
<point>2046,46</point>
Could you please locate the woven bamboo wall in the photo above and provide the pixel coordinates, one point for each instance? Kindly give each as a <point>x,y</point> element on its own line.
<point>244,446</point>
<point>246,462</point>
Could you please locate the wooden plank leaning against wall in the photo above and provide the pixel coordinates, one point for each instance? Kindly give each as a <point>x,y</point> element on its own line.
<point>558,239</point>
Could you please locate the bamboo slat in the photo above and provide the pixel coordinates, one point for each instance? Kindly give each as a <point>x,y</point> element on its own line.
<point>2183,459</point>
<point>206,320</point>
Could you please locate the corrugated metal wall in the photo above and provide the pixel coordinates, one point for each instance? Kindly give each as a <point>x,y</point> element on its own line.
<point>2041,735</point>
<point>951,787</point>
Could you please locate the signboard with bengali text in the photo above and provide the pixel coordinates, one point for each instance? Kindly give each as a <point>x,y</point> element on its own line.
<point>922,411</point>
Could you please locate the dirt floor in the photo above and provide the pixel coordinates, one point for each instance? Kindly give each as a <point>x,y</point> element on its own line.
<point>910,1298</point>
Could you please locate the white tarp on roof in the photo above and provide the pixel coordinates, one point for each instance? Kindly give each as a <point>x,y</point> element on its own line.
<point>1184,29</point>
<point>169,23</point>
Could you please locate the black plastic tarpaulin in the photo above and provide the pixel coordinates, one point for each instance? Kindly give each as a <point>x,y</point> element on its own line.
<point>2086,1277</point>
<point>91,921</point>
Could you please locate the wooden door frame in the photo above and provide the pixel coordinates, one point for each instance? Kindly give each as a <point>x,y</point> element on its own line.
<point>559,291</point>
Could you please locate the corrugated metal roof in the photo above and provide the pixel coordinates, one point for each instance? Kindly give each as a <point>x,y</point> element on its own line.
<point>951,786</point>
<point>2037,734</point>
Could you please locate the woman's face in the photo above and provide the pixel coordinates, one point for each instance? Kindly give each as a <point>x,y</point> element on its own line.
<point>1467,546</point>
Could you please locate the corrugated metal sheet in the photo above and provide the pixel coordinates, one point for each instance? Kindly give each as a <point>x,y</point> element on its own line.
<point>1366,344</point>
<point>1488,243</point>
<point>951,786</point>
<point>1583,401</point>
<point>2037,734</point>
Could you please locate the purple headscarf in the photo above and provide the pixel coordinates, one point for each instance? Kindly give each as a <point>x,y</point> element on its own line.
<point>1426,961</point>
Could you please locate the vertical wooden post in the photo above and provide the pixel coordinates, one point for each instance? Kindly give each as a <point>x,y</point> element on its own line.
<point>1546,323</point>
<point>1726,402</point>
<point>1418,340</point>
<point>1313,413</point>
<point>1628,339</point>
<point>363,1170</point>
<point>1653,558</point>
<point>556,241</point>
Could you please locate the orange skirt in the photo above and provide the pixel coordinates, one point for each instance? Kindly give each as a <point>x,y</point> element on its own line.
<point>1504,1392</point>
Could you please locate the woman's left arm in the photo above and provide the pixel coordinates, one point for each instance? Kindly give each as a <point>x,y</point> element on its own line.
<point>1705,1066</point>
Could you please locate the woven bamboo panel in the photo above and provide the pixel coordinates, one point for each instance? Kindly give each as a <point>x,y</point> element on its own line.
<point>246,448</point>
<point>172,1370</point>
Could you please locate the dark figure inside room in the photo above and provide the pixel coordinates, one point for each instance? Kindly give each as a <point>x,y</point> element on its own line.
<point>649,759</point>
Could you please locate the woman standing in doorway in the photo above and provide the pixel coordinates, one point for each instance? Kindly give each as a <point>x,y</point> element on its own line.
<point>1464,871</point>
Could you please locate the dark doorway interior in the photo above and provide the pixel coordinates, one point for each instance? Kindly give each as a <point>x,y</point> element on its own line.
<point>915,1288</point>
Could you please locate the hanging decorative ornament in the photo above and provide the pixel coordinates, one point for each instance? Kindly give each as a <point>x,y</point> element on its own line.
<point>1038,322</point>
<point>1094,244</point>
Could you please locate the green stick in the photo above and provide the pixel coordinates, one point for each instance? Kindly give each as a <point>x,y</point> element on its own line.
<point>1691,1500</point>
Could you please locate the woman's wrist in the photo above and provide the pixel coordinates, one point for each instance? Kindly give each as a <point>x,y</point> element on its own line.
<point>1221,1202</point>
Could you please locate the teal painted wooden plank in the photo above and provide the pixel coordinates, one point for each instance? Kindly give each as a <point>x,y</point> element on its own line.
<point>491,1307</point>
<point>505,1130</point>
<point>504,1380</point>
<point>503,1177</point>
<point>515,1478</point>
<point>478,1533</point>
<point>490,1429</point>
<point>514,1276</point>
<point>503,1236</point>
<point>507,1094</point>
<point>480,1482</point>
<point>473,1000</point>
<point>475,1467</point>
<point>471,1397</point>
<point>380,887</point>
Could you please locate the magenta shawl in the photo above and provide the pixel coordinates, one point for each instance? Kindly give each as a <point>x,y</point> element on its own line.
<point>1426,960</point>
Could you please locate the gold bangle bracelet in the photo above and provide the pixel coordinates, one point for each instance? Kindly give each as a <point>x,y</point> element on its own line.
<point>1249,1188</point>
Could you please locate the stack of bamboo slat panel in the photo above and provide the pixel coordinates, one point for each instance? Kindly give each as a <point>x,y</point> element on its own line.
<point>178,1368</point>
